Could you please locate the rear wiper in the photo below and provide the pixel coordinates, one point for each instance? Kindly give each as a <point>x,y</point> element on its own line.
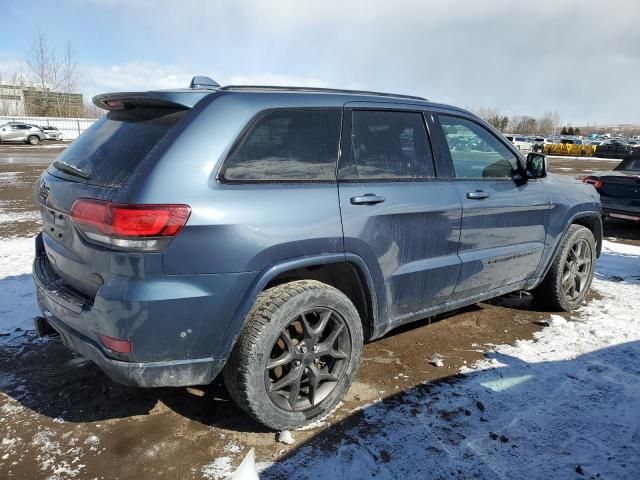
<point>70,169</point>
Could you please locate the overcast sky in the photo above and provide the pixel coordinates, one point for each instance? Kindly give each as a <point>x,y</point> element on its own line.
<point>581,58</point>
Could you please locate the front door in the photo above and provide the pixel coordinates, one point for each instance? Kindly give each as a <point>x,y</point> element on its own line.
<point>396,214</point>
<point>503,218</point>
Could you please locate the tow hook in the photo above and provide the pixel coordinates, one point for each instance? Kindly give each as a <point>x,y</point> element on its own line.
<point>43,328</point>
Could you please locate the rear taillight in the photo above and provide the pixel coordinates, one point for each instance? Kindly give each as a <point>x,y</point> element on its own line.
<point>595,181</point>
<point>129,226</point>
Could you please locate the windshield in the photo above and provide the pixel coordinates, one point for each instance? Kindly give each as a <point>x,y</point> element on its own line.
<point>109,151</point>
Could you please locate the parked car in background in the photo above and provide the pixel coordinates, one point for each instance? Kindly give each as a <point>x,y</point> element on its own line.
<point>21,132</point>
<point>619,189</point>
<point>51,133</point>
<point>520,142</point>
<point>616,149</point>
<point>265,232</point>
<point>539,143</point>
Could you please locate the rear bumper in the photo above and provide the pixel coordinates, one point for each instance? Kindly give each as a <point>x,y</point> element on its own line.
<point>617,209</point>
<point>179,337</point>
<point>176,373</point>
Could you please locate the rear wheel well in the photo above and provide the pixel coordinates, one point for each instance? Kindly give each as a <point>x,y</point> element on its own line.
<point>594,224</point>
<point>345,277</point>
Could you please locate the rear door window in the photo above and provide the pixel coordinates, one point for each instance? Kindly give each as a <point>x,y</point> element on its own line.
<point>390,145</point>
<point>111,149</point>
<point>287,145</point>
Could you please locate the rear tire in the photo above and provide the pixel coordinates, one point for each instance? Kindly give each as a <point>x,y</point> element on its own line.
<point>33,140</point>
<point>297,355</point>
<point>567,282</point>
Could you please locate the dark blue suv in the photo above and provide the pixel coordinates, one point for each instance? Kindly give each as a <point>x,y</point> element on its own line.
<point>266,232</point>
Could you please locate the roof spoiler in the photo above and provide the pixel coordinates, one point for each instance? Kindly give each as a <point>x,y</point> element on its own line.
<point>184,99</point>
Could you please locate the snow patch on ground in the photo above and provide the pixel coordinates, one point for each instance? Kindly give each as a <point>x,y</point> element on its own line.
<point>8,178</point>
<point>17,217</point>
<point>563,405</point>
<point>218,469</point>
<point>285,437</point>
<point>17,292</point>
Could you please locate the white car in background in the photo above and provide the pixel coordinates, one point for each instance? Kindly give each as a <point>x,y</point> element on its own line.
<point>539,143</point>
<point>521,143</point>
<point>51,133</point>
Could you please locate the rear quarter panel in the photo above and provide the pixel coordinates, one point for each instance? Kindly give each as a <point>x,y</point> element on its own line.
<point>236,227</point>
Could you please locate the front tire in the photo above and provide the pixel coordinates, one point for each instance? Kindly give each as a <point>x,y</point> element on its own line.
<point>567,283</point>
<point>297,355</point>
<point>33,140</point>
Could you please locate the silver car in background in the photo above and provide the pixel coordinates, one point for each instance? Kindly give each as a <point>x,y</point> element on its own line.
<point>21,132</point>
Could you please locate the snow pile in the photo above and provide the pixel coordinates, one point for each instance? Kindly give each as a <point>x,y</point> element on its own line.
<point>564,405</point>
<point>17,292</point>
<point>285,437</point>
<point>218,469</point>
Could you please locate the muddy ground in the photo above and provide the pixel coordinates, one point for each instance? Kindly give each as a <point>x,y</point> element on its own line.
<point>60,417</point>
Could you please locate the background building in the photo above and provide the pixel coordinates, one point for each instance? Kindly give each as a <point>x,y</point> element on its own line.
<point>33,101</point>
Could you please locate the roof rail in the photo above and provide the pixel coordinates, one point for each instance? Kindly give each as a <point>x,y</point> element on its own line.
<point>316,90</point>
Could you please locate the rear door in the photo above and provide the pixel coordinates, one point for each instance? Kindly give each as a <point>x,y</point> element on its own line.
<point>396,214</point>
<point>503,219</point>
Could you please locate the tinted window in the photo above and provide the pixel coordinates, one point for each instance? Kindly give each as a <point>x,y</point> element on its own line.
<point>631,165</point>
<point>390,145</point>
<point>288,145</point>
<point>111,149</point>
<point>475,151</point>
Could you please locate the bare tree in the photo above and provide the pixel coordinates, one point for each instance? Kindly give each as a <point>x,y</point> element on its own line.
<point>70,76</point>
<point>54,78</point>
<point>548,123</point>
<point>523,124</point>
<point>45,68</point>
<point>493,117</point>
<point>91,111</point>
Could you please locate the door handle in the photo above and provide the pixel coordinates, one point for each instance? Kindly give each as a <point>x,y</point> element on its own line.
<point>367,199</point>
<point>477,195</point>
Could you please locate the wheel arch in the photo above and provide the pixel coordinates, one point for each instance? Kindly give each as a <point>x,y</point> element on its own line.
<point>346,272</point>
<point>590,219</point>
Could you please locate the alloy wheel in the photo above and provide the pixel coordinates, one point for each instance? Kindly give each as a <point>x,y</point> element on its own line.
<point>307,360</point>
<point>576,272</point>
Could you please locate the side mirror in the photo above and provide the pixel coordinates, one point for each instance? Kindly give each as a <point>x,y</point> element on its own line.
<point>537,165</point>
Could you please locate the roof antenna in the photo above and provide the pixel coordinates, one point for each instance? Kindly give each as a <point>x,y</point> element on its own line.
<point>203,82</point>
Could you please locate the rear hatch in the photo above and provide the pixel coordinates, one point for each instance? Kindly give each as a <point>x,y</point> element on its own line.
<point>96,166</point>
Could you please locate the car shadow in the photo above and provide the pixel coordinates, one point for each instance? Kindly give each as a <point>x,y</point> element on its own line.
<point>48,378</point>
<point>574,418</point>
<point>621,229</point>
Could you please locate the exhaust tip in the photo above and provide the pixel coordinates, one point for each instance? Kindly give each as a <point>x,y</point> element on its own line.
<point>44,328</point>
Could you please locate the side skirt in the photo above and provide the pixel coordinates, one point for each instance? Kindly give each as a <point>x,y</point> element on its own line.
<point>445,307</point>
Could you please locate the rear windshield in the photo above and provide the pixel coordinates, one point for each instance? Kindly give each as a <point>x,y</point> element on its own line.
<point>629,165</point>
<point>111,149</point>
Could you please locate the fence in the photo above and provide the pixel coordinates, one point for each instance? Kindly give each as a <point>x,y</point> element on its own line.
<point>71,128</point>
